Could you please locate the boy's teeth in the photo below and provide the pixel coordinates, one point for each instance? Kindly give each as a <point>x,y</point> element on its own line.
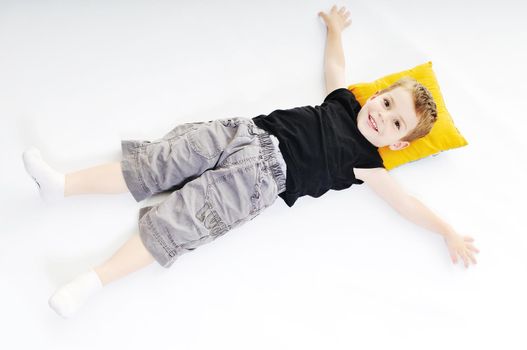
<point>373,123</point>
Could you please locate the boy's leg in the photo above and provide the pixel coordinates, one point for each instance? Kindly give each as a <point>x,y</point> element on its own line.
<point>53,185</point>
<point>131,257</point>
<point>105,179</point>
<point>183,154</point>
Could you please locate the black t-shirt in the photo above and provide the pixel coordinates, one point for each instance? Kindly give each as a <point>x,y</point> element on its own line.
<point>321,145</point>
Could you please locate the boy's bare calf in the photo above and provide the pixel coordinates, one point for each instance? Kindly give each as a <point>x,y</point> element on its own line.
<point>106,179</point>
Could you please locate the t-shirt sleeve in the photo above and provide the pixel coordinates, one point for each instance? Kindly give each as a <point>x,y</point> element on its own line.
<point>370,163</point>
<point>346,98</point>
<point>373,162</point>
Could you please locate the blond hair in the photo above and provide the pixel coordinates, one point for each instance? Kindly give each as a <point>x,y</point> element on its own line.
<point>424,104</point>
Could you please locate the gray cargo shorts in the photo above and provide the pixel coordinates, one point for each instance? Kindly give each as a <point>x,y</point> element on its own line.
<point>221,173</point>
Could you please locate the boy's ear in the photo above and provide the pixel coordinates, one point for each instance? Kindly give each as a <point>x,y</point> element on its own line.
<point>399,145</point>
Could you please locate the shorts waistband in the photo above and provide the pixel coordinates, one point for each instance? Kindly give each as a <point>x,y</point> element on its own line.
<point>272,155</point>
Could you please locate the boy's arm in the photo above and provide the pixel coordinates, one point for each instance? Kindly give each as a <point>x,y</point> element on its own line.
<point>414,210</point>
<point>334,64</point>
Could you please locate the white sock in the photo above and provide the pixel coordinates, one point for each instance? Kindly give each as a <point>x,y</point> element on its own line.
<point>69,298</point>
<point>50,182</point>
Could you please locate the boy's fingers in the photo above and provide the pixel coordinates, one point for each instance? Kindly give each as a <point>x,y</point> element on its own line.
<point>452,256</point>
<point>469,258</point>
<point>471,247</point>
<point>465,259</point>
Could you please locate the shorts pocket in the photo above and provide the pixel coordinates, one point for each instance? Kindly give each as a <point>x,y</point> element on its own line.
<point>235,194</point>
<point>204,140</point>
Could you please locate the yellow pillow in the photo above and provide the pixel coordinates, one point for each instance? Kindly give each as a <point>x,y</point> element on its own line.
<point>442,137</point>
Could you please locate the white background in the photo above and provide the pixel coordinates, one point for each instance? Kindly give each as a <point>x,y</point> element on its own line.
<point>340,272</point>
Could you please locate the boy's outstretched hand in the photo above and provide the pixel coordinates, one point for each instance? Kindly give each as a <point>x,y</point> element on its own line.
<point>461,246</point>
<point>336,20</point>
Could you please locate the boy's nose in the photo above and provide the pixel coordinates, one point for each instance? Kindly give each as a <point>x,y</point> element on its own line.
<point>381,117</point>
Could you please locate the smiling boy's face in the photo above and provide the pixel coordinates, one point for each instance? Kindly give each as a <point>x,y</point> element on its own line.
<point>386,118</point>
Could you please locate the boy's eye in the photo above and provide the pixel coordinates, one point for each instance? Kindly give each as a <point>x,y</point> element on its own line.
<point>386,103</point>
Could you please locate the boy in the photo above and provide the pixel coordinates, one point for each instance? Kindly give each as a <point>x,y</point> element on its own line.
<point>225,172</point>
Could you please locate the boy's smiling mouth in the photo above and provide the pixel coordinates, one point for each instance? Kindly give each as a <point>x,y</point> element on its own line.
<point>372,123</point>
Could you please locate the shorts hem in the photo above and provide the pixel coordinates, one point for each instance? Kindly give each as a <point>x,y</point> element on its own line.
<point>129,166</point>
<point>148,236</point>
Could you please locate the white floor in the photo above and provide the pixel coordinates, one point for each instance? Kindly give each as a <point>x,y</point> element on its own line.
<point>339,272</point>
